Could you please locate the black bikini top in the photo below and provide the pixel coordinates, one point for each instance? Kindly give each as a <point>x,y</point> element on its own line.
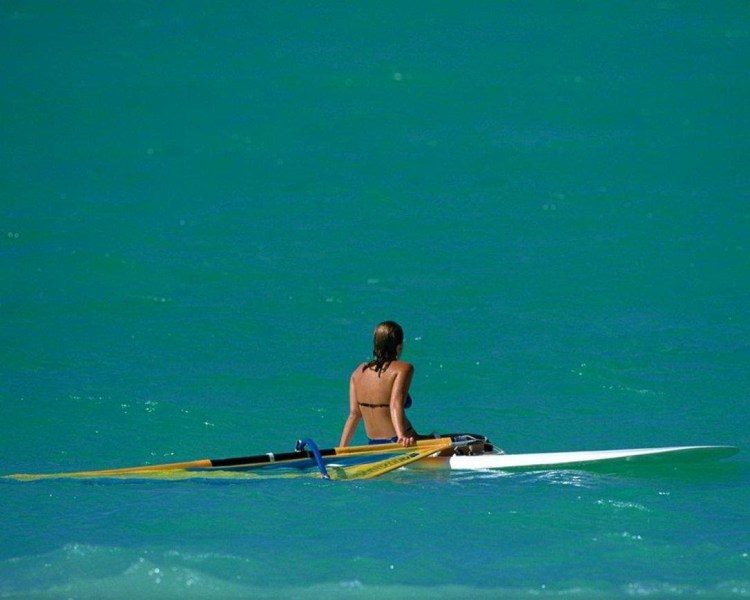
<point>407,403</point>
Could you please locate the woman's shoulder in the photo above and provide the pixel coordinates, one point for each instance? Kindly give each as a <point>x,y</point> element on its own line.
<point>361,368</point>
<point>402,366</point>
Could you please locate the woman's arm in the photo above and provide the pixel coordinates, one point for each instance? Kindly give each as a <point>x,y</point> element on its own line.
<point>350,426</point>
<point>398,397</point>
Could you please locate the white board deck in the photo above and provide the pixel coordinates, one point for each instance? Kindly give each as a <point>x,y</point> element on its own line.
<point>569,459</point>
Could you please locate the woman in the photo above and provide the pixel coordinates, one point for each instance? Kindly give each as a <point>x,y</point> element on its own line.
<point>379,391</point>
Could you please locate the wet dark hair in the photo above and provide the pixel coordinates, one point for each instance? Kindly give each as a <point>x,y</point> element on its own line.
<point>386,339</point>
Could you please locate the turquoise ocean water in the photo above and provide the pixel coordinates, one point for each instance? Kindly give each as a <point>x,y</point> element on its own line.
<point>206,207</point>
